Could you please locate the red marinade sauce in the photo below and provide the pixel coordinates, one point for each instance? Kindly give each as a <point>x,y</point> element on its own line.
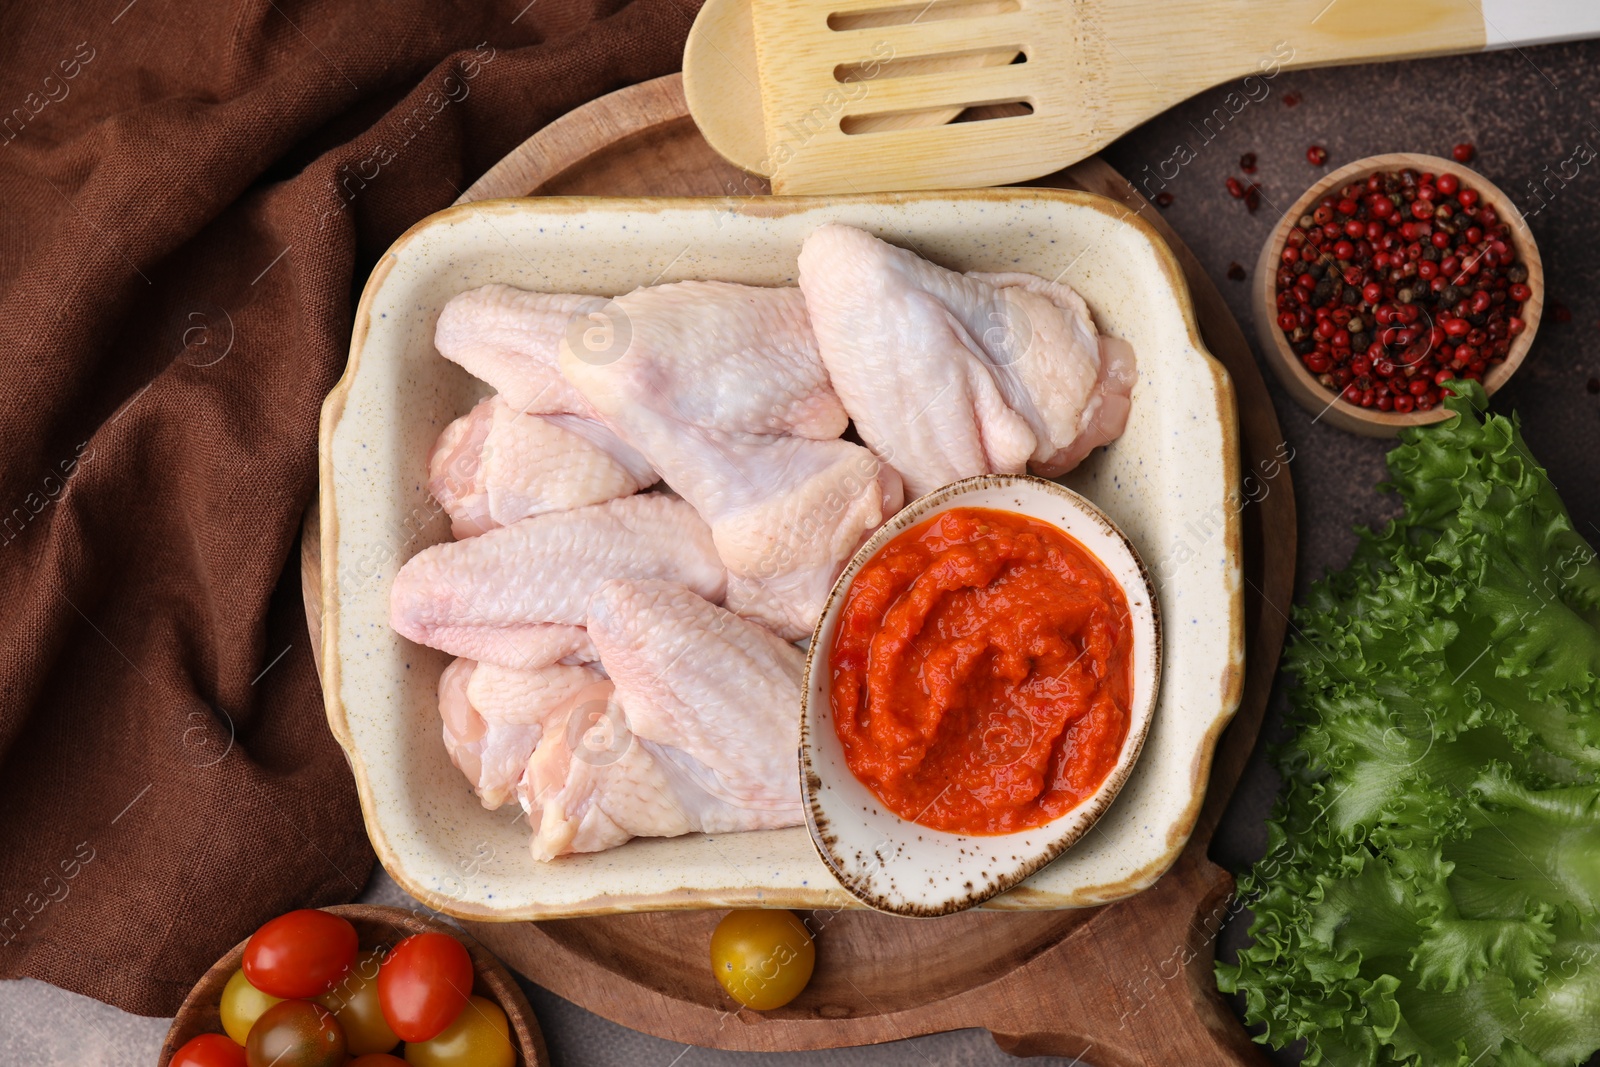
<point>981,673</point>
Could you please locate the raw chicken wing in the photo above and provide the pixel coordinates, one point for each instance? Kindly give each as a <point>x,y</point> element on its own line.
<point>494,716</point>
<point>495,466</point>
<point>518,596</point>
<point>591,786</point>
<point>786,511</point>
<point>1068,381</point>
<point>742,358</point>
<point>700,735</point>
<point>509,337</point>
<point>949,375</point>
<point>726,357</point>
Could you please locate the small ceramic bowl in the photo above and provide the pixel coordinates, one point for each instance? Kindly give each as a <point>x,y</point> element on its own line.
<point>377,927</point>
<point>894,865</point>
<point>1300,382</point>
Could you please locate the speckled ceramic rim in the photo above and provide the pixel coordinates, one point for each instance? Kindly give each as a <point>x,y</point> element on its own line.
<point>1080,819</point>
<point>1300,382</point>
<point>1021,897</point>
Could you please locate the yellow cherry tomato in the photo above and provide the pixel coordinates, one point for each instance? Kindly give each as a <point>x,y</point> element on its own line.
<point>763,958</point>
<point>242,1005</point>
<point>480,1037</point>
<point>354,1002</point>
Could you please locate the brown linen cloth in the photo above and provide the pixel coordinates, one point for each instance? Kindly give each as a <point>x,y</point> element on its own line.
<point>193,191</point>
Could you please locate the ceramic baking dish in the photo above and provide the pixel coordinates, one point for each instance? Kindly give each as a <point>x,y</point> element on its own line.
<point>1170,482</point>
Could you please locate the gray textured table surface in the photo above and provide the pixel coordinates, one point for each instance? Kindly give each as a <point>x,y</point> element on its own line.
<point>1526,112</point>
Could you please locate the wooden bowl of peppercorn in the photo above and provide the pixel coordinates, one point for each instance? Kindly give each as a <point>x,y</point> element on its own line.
<point>1381,319</point>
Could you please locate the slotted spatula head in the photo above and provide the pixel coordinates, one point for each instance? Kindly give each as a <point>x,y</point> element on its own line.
<point>846,91</point>
<point>721,82</point>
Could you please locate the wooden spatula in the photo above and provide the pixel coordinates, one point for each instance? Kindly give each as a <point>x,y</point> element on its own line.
<point>857,95</point>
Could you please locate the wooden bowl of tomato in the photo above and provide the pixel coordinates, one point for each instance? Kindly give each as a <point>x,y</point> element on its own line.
<point>301,952</point>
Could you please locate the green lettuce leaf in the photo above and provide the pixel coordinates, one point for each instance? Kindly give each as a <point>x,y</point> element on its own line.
<point>1431,889</point>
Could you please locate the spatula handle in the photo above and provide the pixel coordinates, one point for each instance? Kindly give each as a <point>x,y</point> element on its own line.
<point>1350,31</point>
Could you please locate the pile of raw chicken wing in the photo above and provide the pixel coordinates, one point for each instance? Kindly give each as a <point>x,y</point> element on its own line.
<point>656,501</point>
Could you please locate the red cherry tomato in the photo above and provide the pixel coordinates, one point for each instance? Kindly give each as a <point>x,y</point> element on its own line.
<point>300,954</point>
<point>209,1050</point>
<point>423,985</point>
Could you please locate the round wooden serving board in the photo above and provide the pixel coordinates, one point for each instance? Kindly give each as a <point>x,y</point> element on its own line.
<point>1123,985</point>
